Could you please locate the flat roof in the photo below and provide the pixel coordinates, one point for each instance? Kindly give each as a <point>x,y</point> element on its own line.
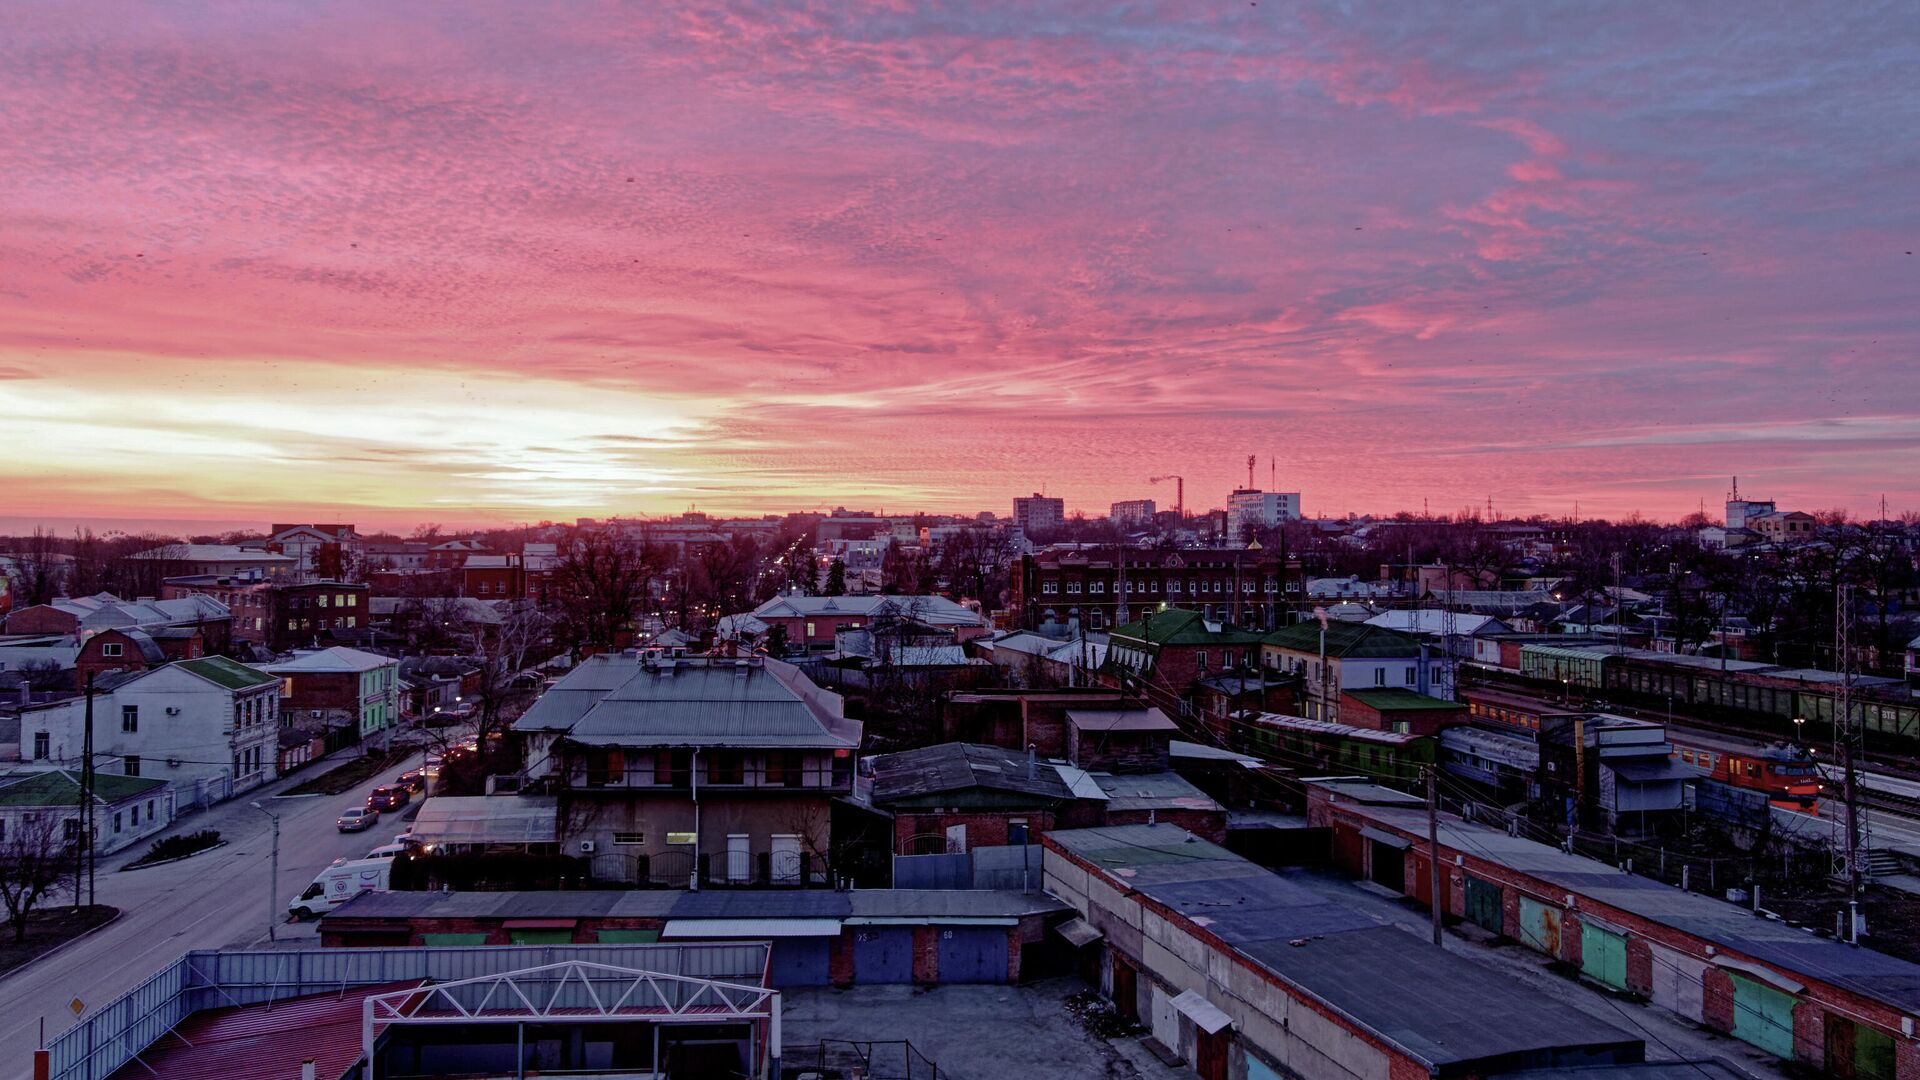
<point>1439,1008</point>
<point>488,819</point>
<point>1147,719</point>
<point>1887,979</point>
<point>739,904</point>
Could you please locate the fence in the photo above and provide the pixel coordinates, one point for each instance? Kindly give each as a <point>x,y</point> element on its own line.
<point>886,1060</point>
<point>113,1034</point>
<point>1016,867</point>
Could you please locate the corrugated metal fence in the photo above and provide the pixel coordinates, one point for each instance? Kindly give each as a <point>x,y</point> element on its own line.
<point>1016,868</point>
<point>206,979</point>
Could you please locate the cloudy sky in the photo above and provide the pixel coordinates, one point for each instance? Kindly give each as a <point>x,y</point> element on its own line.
<point>467,263</point>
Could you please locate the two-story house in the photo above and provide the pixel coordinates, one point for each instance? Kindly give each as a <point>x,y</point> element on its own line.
<point>682,771</point>
<point>1333,657</point>
<point>350,694</point>
<point>209,726</point>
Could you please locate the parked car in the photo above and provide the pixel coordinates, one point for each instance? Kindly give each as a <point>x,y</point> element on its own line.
<point>358,819</point>
<point>392,797</point>
<point>387,851</point>
<point>337,884</point>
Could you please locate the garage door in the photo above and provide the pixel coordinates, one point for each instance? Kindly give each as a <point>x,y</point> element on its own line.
<point>1166,1021</point>
<point>883,954</point>
<point>1484,907</point>
<point>1763,1016</point>
<point>1389,866</point>
<point>1603,956</point>
<point>973,954</point>
<point>801,961</point>
<point>1540,926</point>
<point>1678,982</point>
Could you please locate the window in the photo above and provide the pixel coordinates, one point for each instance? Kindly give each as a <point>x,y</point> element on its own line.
<point>785,768</point>
<point>1073,588</point>
<point>1016,831</point>
<point>809,629</point>
<point>133,765</point>
<point>1403,727</point>
<point>149,809</point>
<point>1380,676</point>
<point>71,828</point>
<point>1200,659</point>
<point>631,839</point>
<point>350,621</point>
<point>323,600</point>
<point>1046,588</point>
<point>109,648</point>
<point>340,600</point>
<point>40,749</point>
<point>1409,674</point>
<point>726,768</point>
<point>129,718</point>
<point>1173,586</point>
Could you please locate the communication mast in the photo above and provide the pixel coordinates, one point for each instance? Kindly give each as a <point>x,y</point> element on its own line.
<point>1848,748</point>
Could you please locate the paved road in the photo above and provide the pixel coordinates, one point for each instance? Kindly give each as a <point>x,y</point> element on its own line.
<point>214,900</point>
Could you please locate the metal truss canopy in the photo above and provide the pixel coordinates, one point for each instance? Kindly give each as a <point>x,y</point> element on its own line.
<point>576,991</point>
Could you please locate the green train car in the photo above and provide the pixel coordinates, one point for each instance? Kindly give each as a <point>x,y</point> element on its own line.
<point>1322,747</point>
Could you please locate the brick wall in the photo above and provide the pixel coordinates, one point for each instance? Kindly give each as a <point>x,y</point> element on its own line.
<point>1717,1007</point>
<point>1205,824</point>
<point>926,955</point>
<point>1639,965</point>
<point>840,958</point>
<point>984,828</point>
<point>1810,1034</point>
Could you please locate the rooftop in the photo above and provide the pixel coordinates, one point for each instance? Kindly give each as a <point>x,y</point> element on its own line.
<point>215,553</point>
<point>1871,974</point>
<point>1147,719</point>
<point>1397,699</point>
<point>228,673</point>
<point>336,660</point>
<point>1441,1009</point>
<point>622,700</point>
<point>1178,626</point>
<point>706,904</point>
<point>61,787</point>
<point>952,767</point>
<point>1345,640</point>
<point>931,610</point>
<point>488,819</point>
<point>1433,622</point>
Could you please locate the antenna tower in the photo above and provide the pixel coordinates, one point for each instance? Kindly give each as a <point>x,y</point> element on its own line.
<point>1848,748</point>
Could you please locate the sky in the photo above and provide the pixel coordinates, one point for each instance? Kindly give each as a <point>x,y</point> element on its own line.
<point>474,263</point>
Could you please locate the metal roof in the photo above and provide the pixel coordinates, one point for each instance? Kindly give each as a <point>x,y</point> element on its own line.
<point>1147,719</point>
<point>753,928</point>
<point>726,905</point>
<point>693,702</point>
<point>336,660</point>
<point>953,767</point>
<point>271,1039</point>
<point>488,819</point>
<point>1871,974</point>
<point>1334,728</point>
<point>1398,699</point>
<point>1441,1009</point>
<point>1153,791</point>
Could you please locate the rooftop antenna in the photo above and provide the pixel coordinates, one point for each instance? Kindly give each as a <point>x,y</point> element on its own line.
<point>1252,459</point>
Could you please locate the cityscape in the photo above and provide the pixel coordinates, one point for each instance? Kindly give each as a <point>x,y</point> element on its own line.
<point>901,542</point>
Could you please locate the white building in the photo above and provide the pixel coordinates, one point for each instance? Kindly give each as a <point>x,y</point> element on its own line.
<point>127,809</point>
<point>210,727</point>
<point>1038,511</point>
<point>1132,513</point>
<point>1249,509</point>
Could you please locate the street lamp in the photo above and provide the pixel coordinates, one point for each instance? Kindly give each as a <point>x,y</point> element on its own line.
<point>1799,725</point>
<point>273,872</point>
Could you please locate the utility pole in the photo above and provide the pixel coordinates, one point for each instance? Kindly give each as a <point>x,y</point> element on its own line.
<point>1619,609</point>
<point>273,873</point>
<point>1433,848</point>
<point>86,792</point>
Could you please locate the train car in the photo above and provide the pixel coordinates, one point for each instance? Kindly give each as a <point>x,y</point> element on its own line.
<point>1492,707</point>
<point>1787,774</point>
<point>1324,747</point>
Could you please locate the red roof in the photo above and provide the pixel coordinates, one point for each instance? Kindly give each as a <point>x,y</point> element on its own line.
<point>262,1040</point>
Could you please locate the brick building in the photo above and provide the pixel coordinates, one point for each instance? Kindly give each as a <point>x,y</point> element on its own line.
<point>279,615</point>
<point>134,649</point>
<point>1071,585</point>
<point>1401,710</point>
<point>1171,650</point>
<point>347,694</point>
<point>523,575</point>
<point>1829,1006</point>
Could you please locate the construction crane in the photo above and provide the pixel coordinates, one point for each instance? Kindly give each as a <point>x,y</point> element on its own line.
<point>1179,494</point>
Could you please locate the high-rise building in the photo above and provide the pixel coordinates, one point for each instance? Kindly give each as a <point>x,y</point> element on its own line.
<point>1250,509</point>
<point>1039,512</point>
<point>1132,513</point>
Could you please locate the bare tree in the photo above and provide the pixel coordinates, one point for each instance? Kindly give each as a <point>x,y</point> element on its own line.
<point>36,569</point>
<point>602,578</point>
<point>35,861</point>
<point>44,675</point>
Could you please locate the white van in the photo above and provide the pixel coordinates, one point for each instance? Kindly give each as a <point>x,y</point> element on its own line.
<point>337,884</point>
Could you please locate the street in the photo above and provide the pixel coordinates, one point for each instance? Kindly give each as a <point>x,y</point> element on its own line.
<point>217,899</point>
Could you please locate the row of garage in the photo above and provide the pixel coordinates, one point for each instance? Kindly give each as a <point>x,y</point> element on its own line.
<point>1760,1004</point>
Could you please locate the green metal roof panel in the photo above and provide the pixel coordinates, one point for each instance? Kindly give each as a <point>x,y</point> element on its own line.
<point>1345,640</point>
<point>61,787</point>
<point>1396,699</point>
<point>228,673</point>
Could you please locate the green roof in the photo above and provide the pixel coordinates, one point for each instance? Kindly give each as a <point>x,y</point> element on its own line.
<point>1345,639</point>
<point>231,674</point>
<point>61,787</point>
<point>1178,626</point>
<point>1395,699</point>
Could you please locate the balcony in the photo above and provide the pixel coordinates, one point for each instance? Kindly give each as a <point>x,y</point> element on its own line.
<point>674,771</point>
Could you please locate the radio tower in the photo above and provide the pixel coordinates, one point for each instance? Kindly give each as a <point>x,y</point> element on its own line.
<point>1251,460</point>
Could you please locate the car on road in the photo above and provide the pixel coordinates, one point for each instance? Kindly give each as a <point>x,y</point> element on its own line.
<point>392,797</point>
<point>413,780</point>
<point>357,819</point>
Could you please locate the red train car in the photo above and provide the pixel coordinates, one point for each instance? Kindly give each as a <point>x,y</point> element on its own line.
<point>1786,773</point>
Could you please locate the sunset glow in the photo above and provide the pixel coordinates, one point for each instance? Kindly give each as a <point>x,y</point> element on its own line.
<point>488,263</point>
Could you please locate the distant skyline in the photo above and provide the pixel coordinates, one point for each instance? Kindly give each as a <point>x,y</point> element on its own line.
<point>492,263</point>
